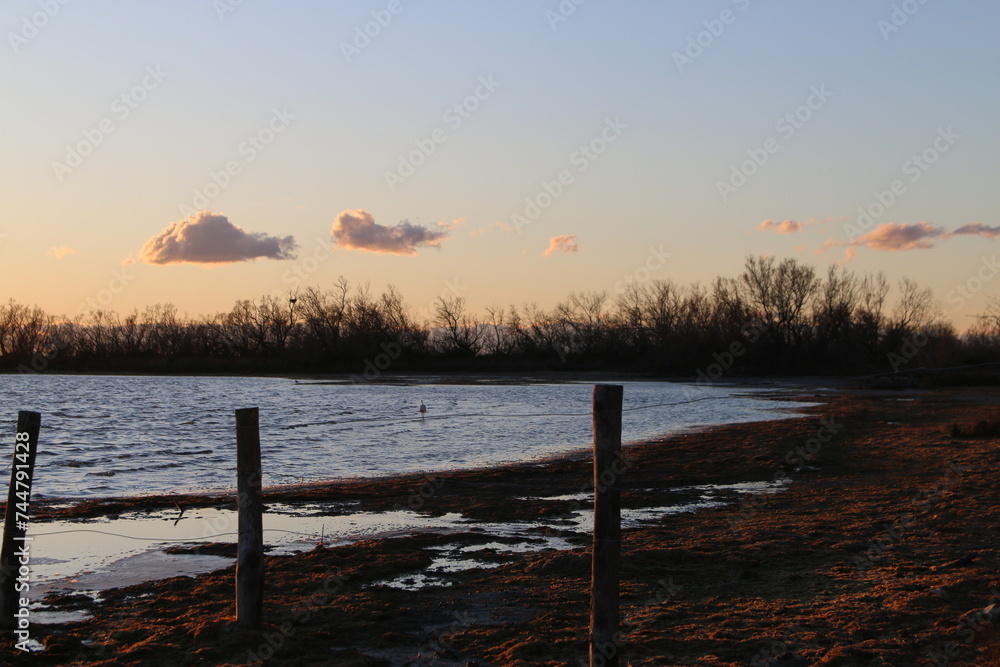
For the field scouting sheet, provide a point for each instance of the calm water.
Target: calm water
(122, 435)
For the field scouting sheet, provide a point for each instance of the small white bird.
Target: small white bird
(422, 409)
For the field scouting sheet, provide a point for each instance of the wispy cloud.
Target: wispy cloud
(978, 229)
(58, 252)
(563, 243)
(210, 238)
(785, 227)
(886, 237)
(356, 229)
(893, 237)
(451, 224)
(501, 225)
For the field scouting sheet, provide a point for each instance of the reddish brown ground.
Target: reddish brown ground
(793, 578)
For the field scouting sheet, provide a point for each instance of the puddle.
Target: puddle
(102, 553)
(451, 564)
(569, 497)
(741, 487)
(413, 582)
(96, 554)
(34, 646)
(633, 518)
(43, 617)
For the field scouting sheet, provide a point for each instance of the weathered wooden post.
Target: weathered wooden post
(604, 636)
(15, 522)
(250, 553)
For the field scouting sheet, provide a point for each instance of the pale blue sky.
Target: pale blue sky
(656, 184)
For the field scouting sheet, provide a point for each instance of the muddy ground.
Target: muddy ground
(882, 550)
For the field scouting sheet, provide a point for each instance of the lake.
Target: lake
(107, 436)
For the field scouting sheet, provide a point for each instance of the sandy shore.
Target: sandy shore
(882, 550)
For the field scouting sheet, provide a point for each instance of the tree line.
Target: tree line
(774, 317)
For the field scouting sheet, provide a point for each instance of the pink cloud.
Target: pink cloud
(978, 229)
(356, 229)
(893, 237)
(563, 243)
(60, 251)
(210, 238)
(785, 227)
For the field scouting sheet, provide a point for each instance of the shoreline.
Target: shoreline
(773, 577)
(333, 489)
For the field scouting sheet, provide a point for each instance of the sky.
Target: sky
(198, 152)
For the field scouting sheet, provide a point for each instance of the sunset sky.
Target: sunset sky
(200, 152)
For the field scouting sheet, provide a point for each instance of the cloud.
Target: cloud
(786, 227)
(445, 224)
(978, 229)
(563, 243)
(60, 251)
(502, 226)
(357, 230)
(209, 238)
(893, 237)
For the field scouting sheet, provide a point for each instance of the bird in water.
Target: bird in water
(422, 409)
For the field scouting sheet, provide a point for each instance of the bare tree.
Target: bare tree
(779, 293)
(501, 342)
(870, 318)
(836, 304)
(915, 309)
(460, 334)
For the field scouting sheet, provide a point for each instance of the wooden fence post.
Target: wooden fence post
(15, 522)
(250, 554)
(604, 574)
